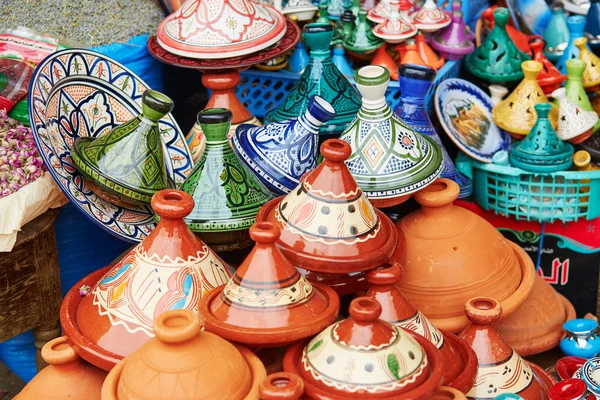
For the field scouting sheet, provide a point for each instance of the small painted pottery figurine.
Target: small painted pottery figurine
(592, 25)
(389, 160)
(575, 23)
(497, 60)
(574, 123)
(591, 75)
(126, 166)
(575, 91)
(279, 153)
(226, 195)
(466, 257)
(382, 10)
(67, 376)
(429, 18)
(281, 386)
(582, 338)
(203, 29)
(430, 57)
(364, 357)
(327, 224)
(383, 59)
(362, 39)
(339, 60)
(411, 56)
(452, 42)
(460, 363)
(170, 269)
(542, 150)
(549, 77)
(267, 303)
(415, 83)
(303, 10)
(299, 59)
(394, 29)
(185, 362)
(497, 93)
(557, 35)
(516, 113)
(569, 389)
(501, 369)
(320, 78)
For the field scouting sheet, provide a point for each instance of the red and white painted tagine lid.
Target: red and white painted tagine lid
(214, 29)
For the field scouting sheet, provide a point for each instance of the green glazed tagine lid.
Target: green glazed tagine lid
(226, 195)
(497, 60)
(542, 150)
(322, 78)
(128, 162)
(362, 39)
(576, 93)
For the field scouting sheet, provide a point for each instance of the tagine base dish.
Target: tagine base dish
(87, 350)
(79, 93)
(466, 377)
(545, 378)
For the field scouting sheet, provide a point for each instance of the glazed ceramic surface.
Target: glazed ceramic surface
(320, 78)
(279, 153)
(592, 25)
(576, 93)
(299, 59)
(382, 10)
(429, 18)
(465, 113)
(411, 56)
(549, 77)
(281, 386)
(383, 59)
(226, 195)
(567, 366)
(556, 35)
(452, 42)
(497, 92)
(220, 29)
(591, 75)
(430, 57)
(158, 275)
(388, 159)
(570, 389)
(415, 83)
(575, 24)
(80, 93)
(590, 373)
(327, 224)
(394, 29)
(303, 10)
(582, 338)
(574, 123)
(362, 39)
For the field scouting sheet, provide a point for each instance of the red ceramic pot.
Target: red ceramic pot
(567, 366)
(570, 389)
(549, 77)
(281, 386)
(327, 224)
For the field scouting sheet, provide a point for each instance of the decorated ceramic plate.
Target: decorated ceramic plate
(465, 113)
(79, 93)
(590, 373)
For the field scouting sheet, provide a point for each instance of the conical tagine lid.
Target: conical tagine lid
(501, 369)
(394, 29)
(460, 365)
(185, 362)
(516, 113)
(209, 29)
(327, 224)
(365, 357)
(429, 18)
(267, 303)
(549, 77)
(389, 159)
(591, 75)
(170, 269)
(573, 121)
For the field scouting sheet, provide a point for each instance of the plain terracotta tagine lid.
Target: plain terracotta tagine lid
(281, 386)
(67, 376)
(185, 362)
(460, 363)
(267, 303)
(210, 29)
(327, 224)
(367, 358)
(452, 255)
(170, 269)
(501, 369)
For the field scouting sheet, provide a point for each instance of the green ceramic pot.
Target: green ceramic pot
(362, 40)
(575, 91)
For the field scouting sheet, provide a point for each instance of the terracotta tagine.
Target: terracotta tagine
(452, 42)
(170, 269)
(364, 357)
(574, 123)
(430, 57)
(460, 363)
(516, 114)
(281, 386)
(383, 59)
(320, 78)
(267, 303)
(126, 166)
(429, 18)
(591, 75)
(451, 255)
(327, 224)
(389, 160)
(542, 150)
(447, 393)
(209, 29)
(185, 362)
(279, 153)
(501, 369)
(362, 40)
(497, 60)
(394, 28)
(575, 91)
(67, 376)
(549, 77)
(575, 24)
(226, 195)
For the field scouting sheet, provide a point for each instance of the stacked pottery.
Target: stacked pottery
(415, 83)
(185, 362)
(394, 29)
(226, 195)
(574, 123)
(591, 75)
(549, 77)
(501, 369)
(160, 274)
(389, 160)
(320, 78)
(365, 357)
(279, 153)
(452, 42)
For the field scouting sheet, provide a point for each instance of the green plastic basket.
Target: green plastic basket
(508, 191)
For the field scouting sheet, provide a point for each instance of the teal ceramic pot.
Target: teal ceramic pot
(557, 35)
